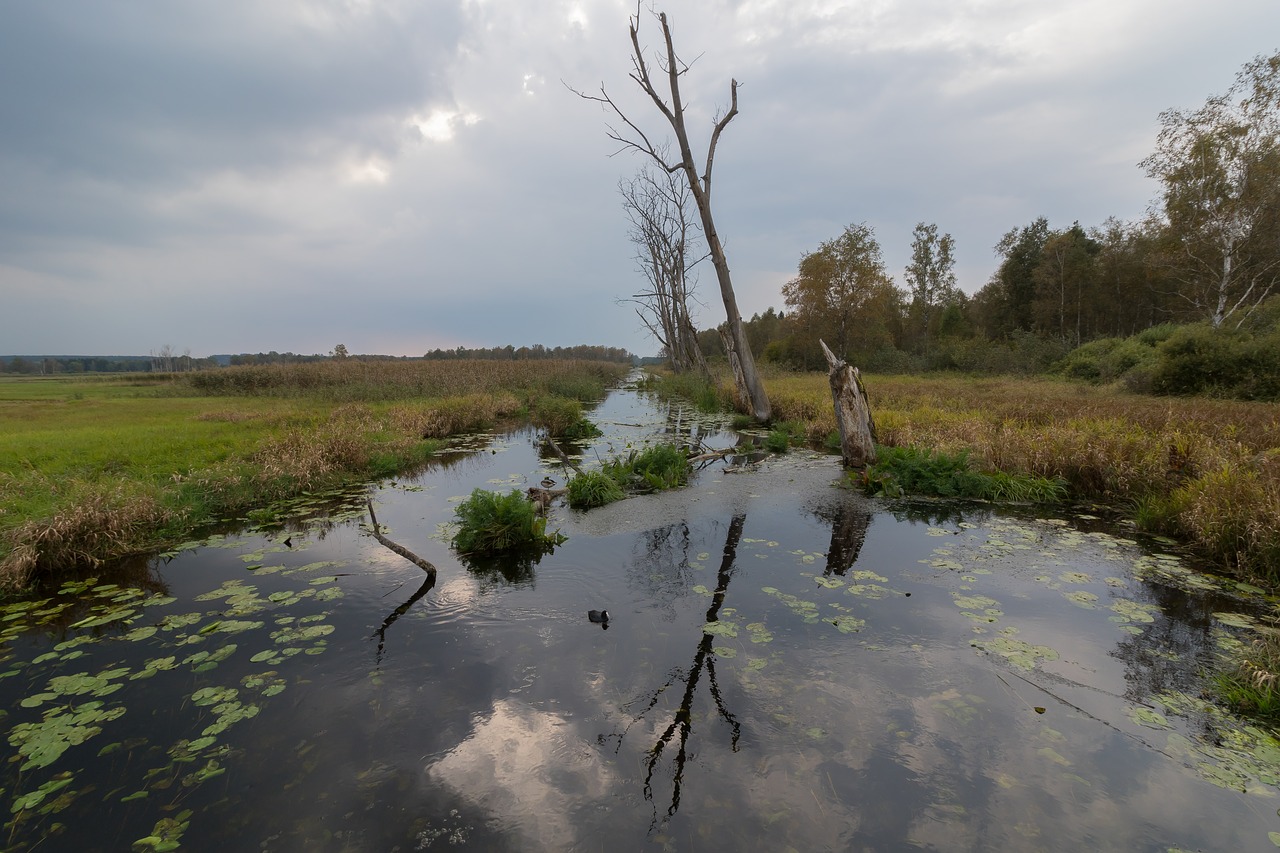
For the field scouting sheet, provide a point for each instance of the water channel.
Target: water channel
(788, 666)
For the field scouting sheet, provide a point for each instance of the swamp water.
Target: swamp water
(788, 666)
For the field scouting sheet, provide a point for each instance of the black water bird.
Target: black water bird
(599, 616)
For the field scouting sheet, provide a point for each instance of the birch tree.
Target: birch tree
(930, 276)
(1220, 170)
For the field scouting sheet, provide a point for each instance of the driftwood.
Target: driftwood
(399, 549)
(541, 498)
(853, 412)
(565, 459)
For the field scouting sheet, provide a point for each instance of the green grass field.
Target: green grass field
(99, 467)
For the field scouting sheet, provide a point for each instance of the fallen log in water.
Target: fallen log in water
(399, 549)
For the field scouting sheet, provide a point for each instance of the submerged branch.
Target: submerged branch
(560, 453)
(399, 549)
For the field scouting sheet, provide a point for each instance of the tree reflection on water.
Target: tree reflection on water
(680, 728)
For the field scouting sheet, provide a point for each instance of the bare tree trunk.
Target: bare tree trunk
(750, 388)
(853, 412)
(739, 381)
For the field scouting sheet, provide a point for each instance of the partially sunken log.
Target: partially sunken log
(399, 549)
(853, 412)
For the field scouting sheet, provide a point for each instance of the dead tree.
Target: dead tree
(853, 412)
(634, 138)
(661, 229)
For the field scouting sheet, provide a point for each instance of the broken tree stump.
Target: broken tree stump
(853, 412)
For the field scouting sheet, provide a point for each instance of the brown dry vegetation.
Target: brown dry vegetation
(92, 479)
(1207, 471)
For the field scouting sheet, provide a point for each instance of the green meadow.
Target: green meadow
(93, 468)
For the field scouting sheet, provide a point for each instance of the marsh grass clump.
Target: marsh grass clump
(785, 434)
(910, 471)
(777, 441)
(707, 395)
(1251, 682)
(591, 489)
(556, 414)
(493, 523)
(581, 429)
(79, 533)
(656, 468)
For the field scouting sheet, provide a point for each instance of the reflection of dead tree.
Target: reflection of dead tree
(564, 460)
(381, 633)
(848, 532)
(681, 725)
(422, 590)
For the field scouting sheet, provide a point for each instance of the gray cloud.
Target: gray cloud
(401, 176)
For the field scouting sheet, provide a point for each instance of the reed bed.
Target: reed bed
(354, 380)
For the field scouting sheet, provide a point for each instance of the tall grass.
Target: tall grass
(91, 470)
(350, 380)
(1205, 470)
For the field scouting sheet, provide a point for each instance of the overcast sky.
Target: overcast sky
(243, 176)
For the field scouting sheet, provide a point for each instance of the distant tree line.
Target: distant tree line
(49, 365)
(581, 352)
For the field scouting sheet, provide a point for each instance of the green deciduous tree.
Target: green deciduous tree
(1064, 278)
(1219, 167)
(842, 295)
(930, 276)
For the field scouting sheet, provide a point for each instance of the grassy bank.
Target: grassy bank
(96, 468)
(1206, 471)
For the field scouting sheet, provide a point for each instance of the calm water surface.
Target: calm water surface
(788, 666)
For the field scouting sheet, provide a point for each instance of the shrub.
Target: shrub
(592, 489)
(1222, 363)
(1085, 361)
(493, 523)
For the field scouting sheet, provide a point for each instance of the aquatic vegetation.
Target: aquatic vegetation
(493, 523)
(655, 468)
(902, 471)
(581, 429)
(83, 694)
(777, 441)
(592, 489)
